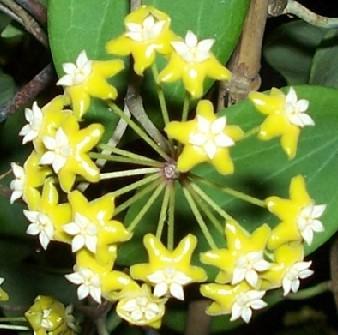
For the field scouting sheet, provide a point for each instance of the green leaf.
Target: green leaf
(289, 49)
(12, 31)
(74, 26)
(4, 21)
(218, 19)
(7, 88)
(324, 69)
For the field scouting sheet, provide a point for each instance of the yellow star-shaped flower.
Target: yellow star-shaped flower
(299, 215)
(147, 32)
(27, 179)
(92, 226)
(206, 139)
(95, 279)
(243, 259)
(88, 78)
(44, 121)
(67, 152)
(47, 216)
(193, 62)
(139, 306)
(285, 117)
(168, 270)
(236, 300)
(48, 316)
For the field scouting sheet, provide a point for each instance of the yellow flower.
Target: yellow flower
(147, 32)
(287, 269)
(88, 78)
(168, 270)
(193, 62)
(3, 294)
(243, 259)
(235, 300)
(299, 215)
(47, 216)
(139, 307)
(206, 139)
(27, 179)
(49, 316)
(285, 116)
(44, 121)
(95, 279)
(92, 225)
(67, 152)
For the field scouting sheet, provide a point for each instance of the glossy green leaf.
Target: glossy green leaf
(324, 69)
(74, 26)
(218, 19)
(7, 88)
(289, 49)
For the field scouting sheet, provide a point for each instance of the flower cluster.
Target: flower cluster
(51, 182)
(265, 259)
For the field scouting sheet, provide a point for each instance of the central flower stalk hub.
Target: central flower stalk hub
(169, 171)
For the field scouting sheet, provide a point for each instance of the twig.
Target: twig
(246, 60)
(36, 9)
(295, 8)
(26, 20)
(198, 321)
(28, 92)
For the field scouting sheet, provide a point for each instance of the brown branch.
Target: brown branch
(20, 15)
(334, 270)
(36, 9)
(28, 92)
(246, 60)
(198, 320)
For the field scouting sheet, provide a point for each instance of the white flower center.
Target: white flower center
(17, 185)
(46, 323)
(84, 232)
(149, 29)
(210, 135)
(193, 51)
(294, 273)
(34, 118)
(246, 301)
(58, 150)
(308, 222)
(295, 110)
(140, 309)
(89, 281)
(169, 280)
(78, 73)
(40, 225)
(247, 267)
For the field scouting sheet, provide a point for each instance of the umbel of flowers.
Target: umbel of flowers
(63, 162)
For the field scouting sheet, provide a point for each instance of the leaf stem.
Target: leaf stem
(126, 153)
(232, 192)
(251, 132)
(211, 202)
(163, 212)
(120, 159)
(161, 96)
(145, 208)
(127, 173)
(206, 210)
(137, 184)
(310, 292)
(136, 197)
(13, 327)
(138, 130)
(199, 219)
(186, 106)
(171, 218)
